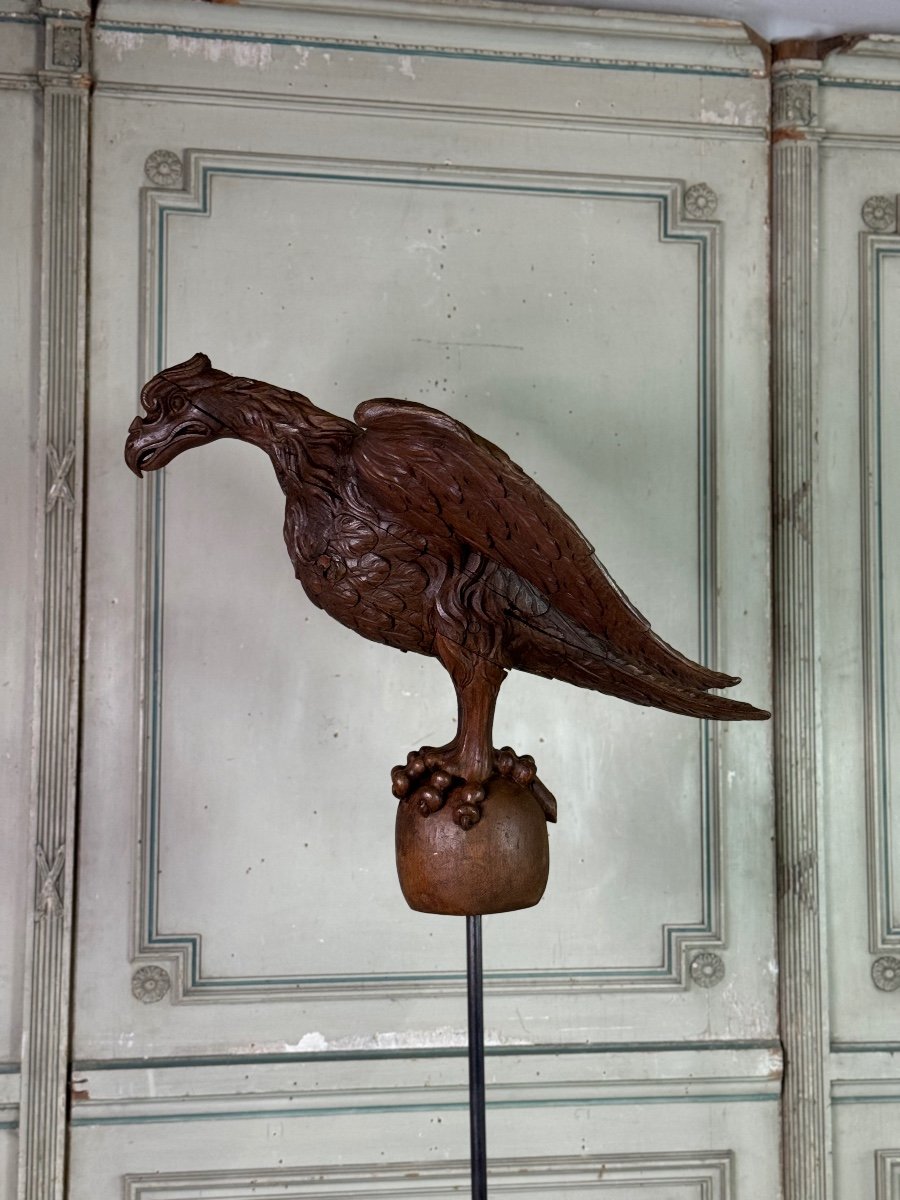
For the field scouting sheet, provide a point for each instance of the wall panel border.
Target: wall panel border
(680, 219)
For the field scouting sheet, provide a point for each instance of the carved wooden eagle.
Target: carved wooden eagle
(412, 530)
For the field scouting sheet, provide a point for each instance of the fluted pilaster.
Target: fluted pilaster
(48, 963)
(795, 182)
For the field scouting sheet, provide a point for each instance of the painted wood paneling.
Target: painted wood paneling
(795, 217)
(8, 1151)
(19, 267)
(554, 227)
(405, 261)
(49, 884)
(535, 1153)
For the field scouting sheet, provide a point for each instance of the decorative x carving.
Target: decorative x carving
(59, 468)
(50, 900)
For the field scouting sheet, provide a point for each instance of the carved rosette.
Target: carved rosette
(150, 984)
(700, 202)
(886, 973)
(164, 169)
(793, 104)
(707, 969)
(879, 213)
(66, 51)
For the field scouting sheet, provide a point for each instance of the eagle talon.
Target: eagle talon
(400, 782)
(423, 781)
(506, 759)
(433, 776)
(428, 800)
(467, 802)
(518, 767)
(415, 764)
(467, 816)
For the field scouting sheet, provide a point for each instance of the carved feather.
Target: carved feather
(447, 482)
(414, 531)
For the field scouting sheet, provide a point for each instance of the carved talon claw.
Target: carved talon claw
(399, 782)
(428, 800)
(523, 771)
(441, 780)
(520, 768)
(467, 801)
(429, 782)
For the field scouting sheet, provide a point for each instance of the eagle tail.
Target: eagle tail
(585, 662)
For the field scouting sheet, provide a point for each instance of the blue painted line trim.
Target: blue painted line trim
(888, 924)
(865, 1047)
(868, 85)
(412, 1052)
(443, 1106)
(190, 944)
(414, 51)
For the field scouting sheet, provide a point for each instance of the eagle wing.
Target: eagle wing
(445, 481)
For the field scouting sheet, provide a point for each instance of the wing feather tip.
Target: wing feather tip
(738, 710)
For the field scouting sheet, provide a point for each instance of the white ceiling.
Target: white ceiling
(775, 19)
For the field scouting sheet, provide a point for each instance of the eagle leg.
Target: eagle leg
(459, 771)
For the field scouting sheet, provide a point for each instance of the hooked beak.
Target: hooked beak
(153, 443)
(132, 448)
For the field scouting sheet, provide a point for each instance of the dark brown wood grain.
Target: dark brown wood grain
(498, 865)
(410, 529)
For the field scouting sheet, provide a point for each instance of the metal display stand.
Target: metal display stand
(475, 983)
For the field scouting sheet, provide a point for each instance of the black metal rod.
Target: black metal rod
(476, 1058)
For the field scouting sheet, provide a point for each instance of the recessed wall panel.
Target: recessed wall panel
(466, 276)
(19, 267)
(571, 290)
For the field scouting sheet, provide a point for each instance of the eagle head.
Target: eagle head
(180, 406)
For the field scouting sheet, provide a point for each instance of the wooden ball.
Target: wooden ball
(498, 865)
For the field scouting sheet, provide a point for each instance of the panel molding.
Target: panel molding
(184, 950)
(865, 1091)
(403, 1081)
(534, 36)
(10, 1082)
(887, 1175)
(65, 82)
(702, 1176)
(435, 111)
(884, 930)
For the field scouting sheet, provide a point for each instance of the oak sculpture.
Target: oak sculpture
(410, 529)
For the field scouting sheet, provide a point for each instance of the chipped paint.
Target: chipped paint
(745, 1018)
(120, 41)
(732, 113)
(788, 135)
(257, 55)
(774, 1064)
(442, 1037)
(406, 67)
(798, 880)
